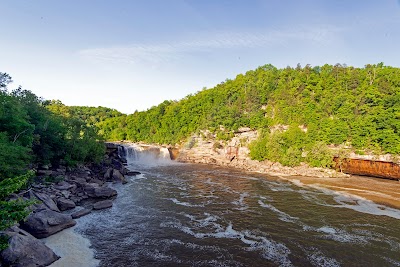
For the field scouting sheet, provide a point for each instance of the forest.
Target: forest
(36, 133)
(321, 105)
(298, 113)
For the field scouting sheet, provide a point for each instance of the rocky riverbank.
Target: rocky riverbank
(235, 153)
(57, 193)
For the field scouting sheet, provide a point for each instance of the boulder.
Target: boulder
(80, 213)
(97, 181)
(65, 204)
(26, 251)
(102, 205)
(89, 189)
(63, 186)
(108, 174)
(46, 222)
(47, 201)
(124, 170)
(45, 173)
(111, 145)
(104, 192)
(66, 193)
(79, 181)
(118, 176)
(133, 173)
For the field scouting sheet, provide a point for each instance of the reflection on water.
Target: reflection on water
(197, 215)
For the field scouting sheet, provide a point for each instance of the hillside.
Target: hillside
(297, 110)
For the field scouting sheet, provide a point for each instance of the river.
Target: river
(199, 215)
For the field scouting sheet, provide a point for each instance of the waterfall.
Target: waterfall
(164, 153)
(145, 154)
(121, 151)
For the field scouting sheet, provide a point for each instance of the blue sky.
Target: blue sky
(131, 55)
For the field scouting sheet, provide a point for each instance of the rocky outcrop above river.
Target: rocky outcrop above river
(235, 153)
(25, 250)
(56, 190)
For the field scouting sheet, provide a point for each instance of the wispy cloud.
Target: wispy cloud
(164, 52)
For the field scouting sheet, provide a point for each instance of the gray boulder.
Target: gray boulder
(118, 176)
(108, 174)
(133, 173)
(63, 186)
(46, 222)
(65, 204)
(104, 192)
(79, 181)
(80, 213)
(26, 251)
(102, 205)
(90, 189)
(47, 201)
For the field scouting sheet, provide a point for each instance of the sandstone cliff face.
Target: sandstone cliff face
(235, 153)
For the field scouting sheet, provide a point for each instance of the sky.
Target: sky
(132, 55)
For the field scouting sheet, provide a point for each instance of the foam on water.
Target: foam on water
(282, 215)
(392, 262)
(187, 204)
(317, 258)
(270, 250)
(73, 249)
(360, 204)
(347, 200)
(240, 201)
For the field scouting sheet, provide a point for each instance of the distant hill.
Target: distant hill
(298, 110)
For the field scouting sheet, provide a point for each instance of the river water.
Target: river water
(198, 215)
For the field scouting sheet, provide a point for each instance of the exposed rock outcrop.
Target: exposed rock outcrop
(65, 204)
(80, 213)
(235, 153)
(46, 200)
(26, 251)
(102, 205)
(71, 187)
(118, 176)
(46, 222)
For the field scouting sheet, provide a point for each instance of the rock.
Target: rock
(97, 181)
(66, 193)
(65, 204)
(108, 174)
(63, 186)
(76, 199)
(111, 145)
(90, 189)
(47, 200)
(80, 213)
(102, 204)
(118, 176)
(124, 170)
(79, 181)
(133, 173)
(104, 192)
(46, 222)
(26, 251)
(45, 172)
(117, 164)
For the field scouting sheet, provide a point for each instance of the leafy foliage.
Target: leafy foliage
(334, 104)
(12, 211)
(34, 132)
